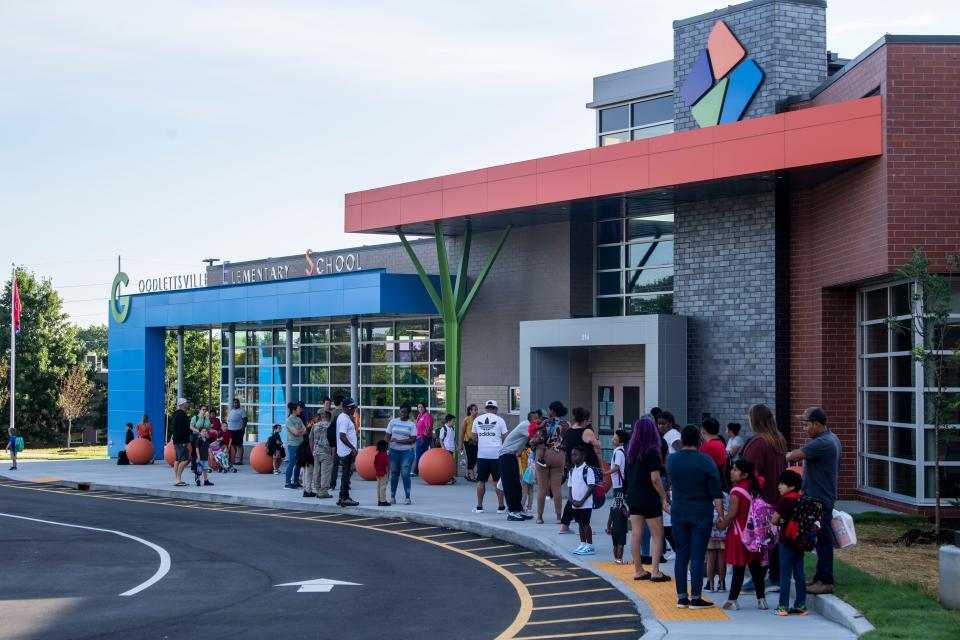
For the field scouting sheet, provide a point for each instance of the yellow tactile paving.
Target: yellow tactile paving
(661, 596)
(45, 479)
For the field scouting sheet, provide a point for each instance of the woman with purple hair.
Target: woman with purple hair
(645, 496)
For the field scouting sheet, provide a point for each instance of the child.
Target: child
(528, 478)
(446, 437)
(305, 455)
(223, 458)
(12, 447)
(582, 483)
(201, 453)
(619, 516)
(791, 558)
(275, 448)
(129, 435)
(746, 487)
(716, 563)
(381, 463)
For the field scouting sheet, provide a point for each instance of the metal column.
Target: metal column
(231, 366)
(288, 387)
(180, 362)
(355, 359)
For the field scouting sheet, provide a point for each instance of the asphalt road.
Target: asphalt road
(226, 561)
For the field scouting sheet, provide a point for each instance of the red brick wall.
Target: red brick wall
(864, 223)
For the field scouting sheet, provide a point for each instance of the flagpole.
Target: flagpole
(13, 345)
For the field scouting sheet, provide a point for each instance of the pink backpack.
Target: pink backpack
(758, 536)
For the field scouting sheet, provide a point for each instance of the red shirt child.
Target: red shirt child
(381, 463)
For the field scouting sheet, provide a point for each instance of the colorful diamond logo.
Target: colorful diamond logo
(722, 81)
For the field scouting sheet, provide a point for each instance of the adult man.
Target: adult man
(335, 410)
(514, 443)
(181, 440)
(346, 450)
(491, 431)
(822, 455)
(236, 425)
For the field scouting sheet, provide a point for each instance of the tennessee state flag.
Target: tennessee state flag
(16, 307)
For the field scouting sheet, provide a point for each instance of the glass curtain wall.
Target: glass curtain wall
(895, 430)
(634, 261)
(401, 360)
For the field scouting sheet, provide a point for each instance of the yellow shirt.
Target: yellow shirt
(467, 428)
(524, 457)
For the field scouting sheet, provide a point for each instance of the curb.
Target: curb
(653, 628)
(836, 610)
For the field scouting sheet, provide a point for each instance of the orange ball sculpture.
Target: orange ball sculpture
(260, 460)
(140, 451)
(437, 466)
(170, 453)
(365, 468)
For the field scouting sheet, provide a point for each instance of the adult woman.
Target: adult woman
(579, 435)
(144, 428)
(548, 443)
(424, 434)
(401, 436)
(646, 498)
(767, 451)
(200, 420)
(468, 444)
(294, 431)
(734, 441)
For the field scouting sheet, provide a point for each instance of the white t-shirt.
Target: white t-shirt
(345, 425)
(489, 430)
(579, 488)
(446, 437)
(670, 437)
(618, 459)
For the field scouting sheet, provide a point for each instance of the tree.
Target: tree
(47, 348)
(194, 370)
(75, 391)
(93, 339)
(4, 381)
(931, 323)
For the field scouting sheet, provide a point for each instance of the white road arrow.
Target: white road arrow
(321, 585)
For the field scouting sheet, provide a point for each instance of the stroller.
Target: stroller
(222, 456)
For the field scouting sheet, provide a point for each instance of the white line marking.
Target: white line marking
(164, 556)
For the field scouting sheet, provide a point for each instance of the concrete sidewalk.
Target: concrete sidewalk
(450, 506)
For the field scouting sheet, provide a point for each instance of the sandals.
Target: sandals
(646, 575)
(661, 578)
(181, 484)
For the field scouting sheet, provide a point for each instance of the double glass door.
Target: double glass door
(618, 404)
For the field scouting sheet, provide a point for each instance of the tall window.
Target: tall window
(634, 263)
(635, 120)
(896, 444)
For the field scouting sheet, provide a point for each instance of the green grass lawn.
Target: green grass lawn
(55, 453)
(897, 610)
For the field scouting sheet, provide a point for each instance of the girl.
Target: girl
(645, 496)
(468, 445)
(528, 478)
(716, 562)
(424, 435)
(746, 486)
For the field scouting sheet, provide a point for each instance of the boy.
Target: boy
(201, 452)
(381, 464)
(582, 483)
(275, 448)
(791, 558)
(12, 447)
(446, 437)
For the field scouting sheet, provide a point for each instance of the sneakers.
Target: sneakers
(383, 504)
(771, 586)
(820, 588)
(799, 610)
(762, 604)
(708, 586)
(349, 503)
(12, 469)
(406, 501)
(618, 560)
(276, 472)
(516, 517)
(289, 486)
(585, 550)
(700, 603)
(207, 483)
(683, 603)
(324, 495)
(309, 494)
(781, 611)
(731, 605)
(721, 586)
(501, 509)
(198, 482)
(477, 509)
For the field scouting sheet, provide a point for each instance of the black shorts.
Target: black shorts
(648, 510)
(487, 468)
(582, 516)
(618, 526)
(181, 451)
(471, 449)
(236, 437)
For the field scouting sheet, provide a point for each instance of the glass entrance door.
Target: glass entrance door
(618, 404)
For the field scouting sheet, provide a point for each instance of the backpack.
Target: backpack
(804, 525)
(274, 444)
(19, 444)
(304, 455)
(332, 433)
(599, 489)
(122, 458)
(758, 536)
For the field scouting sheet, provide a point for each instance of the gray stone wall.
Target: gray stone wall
(724, 264)
(787, 38)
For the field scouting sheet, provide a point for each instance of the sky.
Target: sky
(171, 132)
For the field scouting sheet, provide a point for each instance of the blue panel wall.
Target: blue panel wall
(136, 347)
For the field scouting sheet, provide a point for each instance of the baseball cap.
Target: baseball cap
(813, 414)
(349, 402)
(491, 403)
(181, 401)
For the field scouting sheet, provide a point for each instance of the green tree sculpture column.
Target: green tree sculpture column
(453, 302)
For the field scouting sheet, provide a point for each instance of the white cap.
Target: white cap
(490, 403)
(181, 401)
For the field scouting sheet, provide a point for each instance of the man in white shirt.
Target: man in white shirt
(346, 450)
(490, 431)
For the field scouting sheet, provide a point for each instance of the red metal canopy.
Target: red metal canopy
(836, 133)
